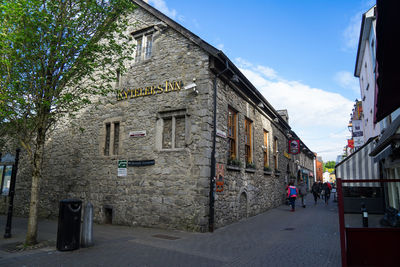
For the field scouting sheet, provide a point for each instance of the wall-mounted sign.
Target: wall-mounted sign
(122, 168)
(219, 182)
(150, 90)
(137, 133)
(294, 146)
(141, 163)
(287, 155)
(221, 133)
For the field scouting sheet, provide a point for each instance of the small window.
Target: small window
(112, 138)
(107, 143)
(116, 138)
(265, 149)
(144, 47)
(139, 48)
(232, 136)
(149, 46)
(248, 141)
(174, 130)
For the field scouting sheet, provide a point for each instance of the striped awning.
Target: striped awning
(359, 165)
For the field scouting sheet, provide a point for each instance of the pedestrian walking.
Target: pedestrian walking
(315, 192)
(292, 194)
(327, 192)
(302, 192)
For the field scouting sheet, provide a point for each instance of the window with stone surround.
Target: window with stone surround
(248, 141)
(232, 134)
(144, 43)
(173, 130)
(265, 149)
(111, 138)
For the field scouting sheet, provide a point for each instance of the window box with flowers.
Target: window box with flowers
(267, 170)
(250, 167)
(234, 164)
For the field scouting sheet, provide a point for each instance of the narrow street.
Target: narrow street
(278, 237)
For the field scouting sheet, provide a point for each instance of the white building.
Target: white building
(365, 71)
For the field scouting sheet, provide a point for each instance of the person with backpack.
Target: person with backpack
(292, 194)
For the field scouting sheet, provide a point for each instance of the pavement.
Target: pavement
(307, 237)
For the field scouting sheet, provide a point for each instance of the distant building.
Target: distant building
(318, 168)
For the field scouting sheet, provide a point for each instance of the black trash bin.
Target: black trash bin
(69, 224)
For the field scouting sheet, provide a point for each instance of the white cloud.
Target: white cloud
(319, 117)
(162, 6)
(352, 32)
(220, 46)
(347, 80)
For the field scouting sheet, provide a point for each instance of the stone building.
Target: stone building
(146, 158)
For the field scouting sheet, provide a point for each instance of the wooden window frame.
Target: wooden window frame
(248, 141)
(265, 149)
(232, 133)
(276, 153)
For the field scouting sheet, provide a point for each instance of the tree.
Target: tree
(329, 166)
(56, 56)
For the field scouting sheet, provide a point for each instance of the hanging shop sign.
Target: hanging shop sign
(294, 146)
(350, 143)
(164, 88)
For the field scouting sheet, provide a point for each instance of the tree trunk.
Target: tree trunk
(31, 235)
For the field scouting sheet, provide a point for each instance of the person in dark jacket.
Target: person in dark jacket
(315, 191)
(327, 191)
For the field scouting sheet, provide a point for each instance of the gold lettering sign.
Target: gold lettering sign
(165, 87)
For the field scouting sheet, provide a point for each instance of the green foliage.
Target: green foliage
(329, 166)
(267, 169)
(56, 55)
(250, 165)
(234, 162)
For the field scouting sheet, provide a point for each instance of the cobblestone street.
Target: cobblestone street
(307, 237)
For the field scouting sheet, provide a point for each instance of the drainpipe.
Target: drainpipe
(212, 176)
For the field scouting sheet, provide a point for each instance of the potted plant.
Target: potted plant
(250, 165)
(234, 162)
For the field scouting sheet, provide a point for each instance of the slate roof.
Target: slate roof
(251, 91)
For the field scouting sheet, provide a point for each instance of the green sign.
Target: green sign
(122, 164)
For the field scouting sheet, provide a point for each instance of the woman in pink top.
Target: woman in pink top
(292, 194)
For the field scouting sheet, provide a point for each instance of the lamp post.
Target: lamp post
(7, 233)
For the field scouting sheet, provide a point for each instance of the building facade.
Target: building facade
(145, 156)
(365, 71)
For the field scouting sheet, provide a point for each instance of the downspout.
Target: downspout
(214, 137)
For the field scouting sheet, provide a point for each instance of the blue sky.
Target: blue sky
(300, 54)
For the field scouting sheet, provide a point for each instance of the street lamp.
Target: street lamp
(350, 126)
